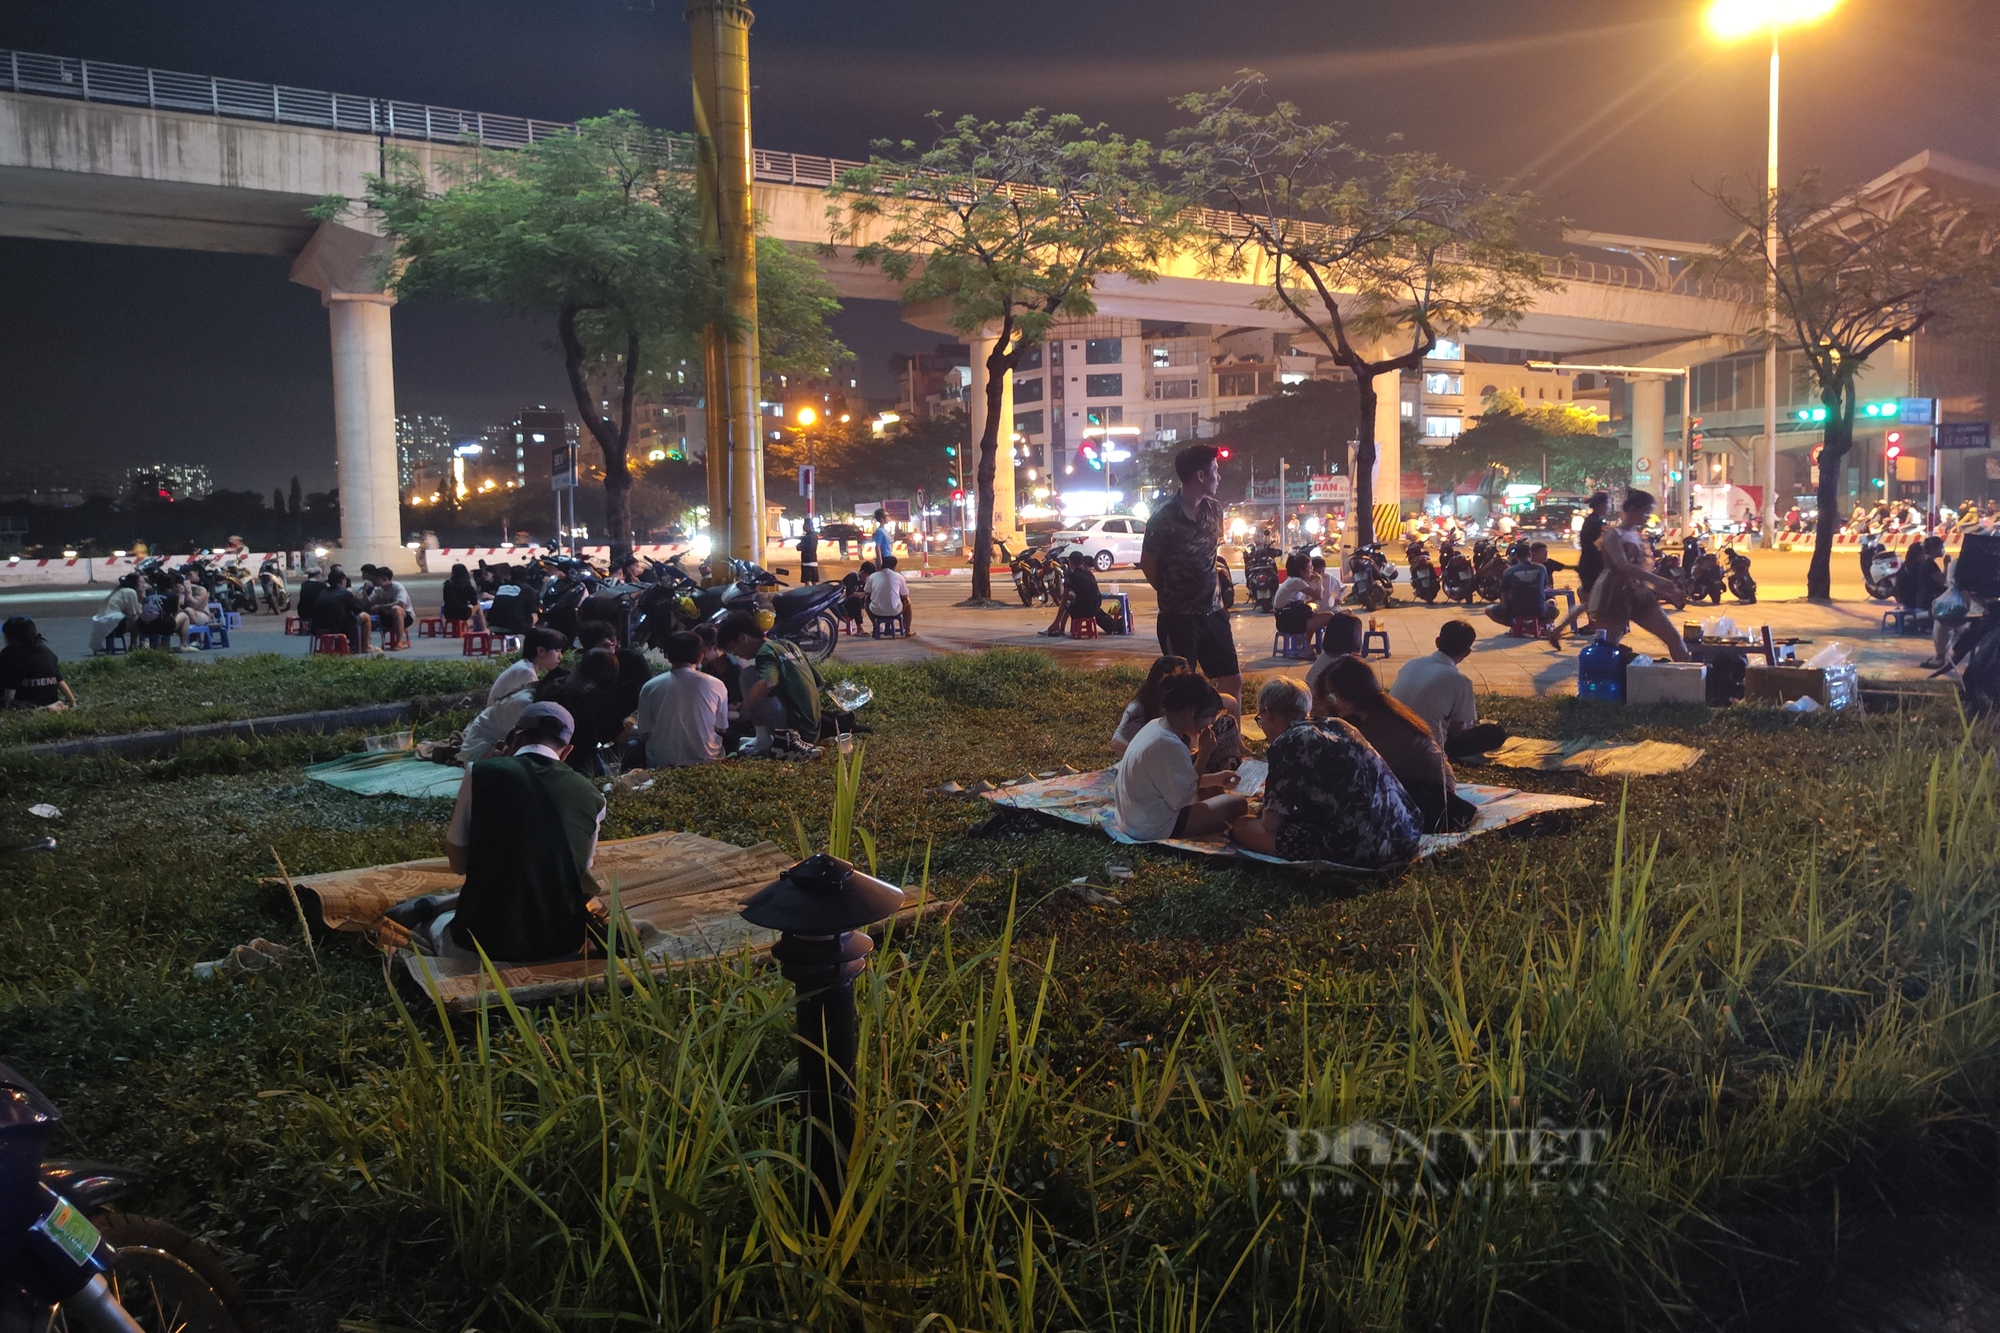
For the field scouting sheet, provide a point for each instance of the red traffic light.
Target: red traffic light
(958, 495)
(1895, 449)
(1223, 453)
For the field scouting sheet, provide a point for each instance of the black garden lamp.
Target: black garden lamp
(820, 908)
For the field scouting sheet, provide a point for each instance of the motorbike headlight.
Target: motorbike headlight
(766, 619)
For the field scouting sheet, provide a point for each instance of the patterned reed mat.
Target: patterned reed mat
(1091, 799)
(680, 892)
(1600, 759)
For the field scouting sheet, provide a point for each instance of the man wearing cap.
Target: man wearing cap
(524, 835)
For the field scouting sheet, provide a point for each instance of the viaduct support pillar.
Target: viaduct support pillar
(1388, 477)
(345, 266)
(1006, 527)
(1649, 440)
(720, 32)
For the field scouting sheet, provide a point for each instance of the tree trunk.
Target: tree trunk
(1364, 462)
(998, 364)
(1834, 446)
(611, 436)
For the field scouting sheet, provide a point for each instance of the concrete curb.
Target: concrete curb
(147, 744)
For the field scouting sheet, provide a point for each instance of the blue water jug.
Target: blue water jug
(1600, 672)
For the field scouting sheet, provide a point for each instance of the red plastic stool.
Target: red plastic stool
(292, 625)
(455, 629)
(1526, 627)
(478, 644)
(335, 644)
(1083, 628)
(431, 627)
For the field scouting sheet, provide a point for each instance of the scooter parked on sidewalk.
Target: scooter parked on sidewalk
(1424, 581)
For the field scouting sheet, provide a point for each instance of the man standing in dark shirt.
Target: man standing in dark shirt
(1589, 563)
(1178, 559)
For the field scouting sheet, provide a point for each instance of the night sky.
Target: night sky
(1619, 115)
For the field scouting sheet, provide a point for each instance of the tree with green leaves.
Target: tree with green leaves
(1308, 425)
(1376, 255)
(599, 230)
(1853, 276)
(1556, 441)
(1010, 224)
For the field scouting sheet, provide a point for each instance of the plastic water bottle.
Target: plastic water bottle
(1600, 674)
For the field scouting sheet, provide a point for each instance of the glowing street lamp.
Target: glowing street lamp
(1730, 21)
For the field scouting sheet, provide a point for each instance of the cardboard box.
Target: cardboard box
(1666, 683)
(1829, 687)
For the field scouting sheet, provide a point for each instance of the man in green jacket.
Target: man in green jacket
(524, 834)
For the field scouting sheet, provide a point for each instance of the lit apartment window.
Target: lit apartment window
(1437, 382)
(1409, 408)
(1027, 423)
(1028, 391)
(1237, 384)
(1443, 427)
(1103, 351)
(1292, 377)
(1104, 386)
(1162, 357)
(1447, 350)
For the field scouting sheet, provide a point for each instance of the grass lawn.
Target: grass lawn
(1765, 1016)
(148, 690)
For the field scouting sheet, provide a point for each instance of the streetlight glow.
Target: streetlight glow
(806, 416)
(1733, 20)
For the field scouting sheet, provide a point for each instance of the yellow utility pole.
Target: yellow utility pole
(720, 30)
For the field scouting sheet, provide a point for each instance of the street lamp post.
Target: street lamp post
(1731, 20)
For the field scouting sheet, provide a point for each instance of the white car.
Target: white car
(1110, 540)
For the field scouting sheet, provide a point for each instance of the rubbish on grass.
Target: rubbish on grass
(850, 694)
(389, 740)
(1119, 872)
(637, 779)
(953, 788)
(1804, 704)
(44, 811)
(259, 955)
(1094, 897)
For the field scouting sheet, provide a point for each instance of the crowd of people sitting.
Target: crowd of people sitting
(329, 603)
(1356, 773)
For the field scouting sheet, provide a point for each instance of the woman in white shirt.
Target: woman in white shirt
(1159, 793)
(1292, 603)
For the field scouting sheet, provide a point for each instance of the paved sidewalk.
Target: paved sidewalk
(1498, 665)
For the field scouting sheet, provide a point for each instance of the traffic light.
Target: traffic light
(1894, 450)
(1812, 414)
(1222, 453)
(1694, 436)
(1674, 476)
(951, 451)
(1888, 407)
(1090, 456)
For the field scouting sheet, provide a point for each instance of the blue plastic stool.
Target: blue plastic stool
(203, 633)
(1375, 643)
(1904, 620)
(231, 620)
(1292, 647)
(888, 627)
(218, 635)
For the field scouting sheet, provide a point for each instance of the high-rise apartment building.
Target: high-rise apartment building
(423, 444)
(170, 481)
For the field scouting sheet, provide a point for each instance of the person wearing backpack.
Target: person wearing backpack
(781, 688)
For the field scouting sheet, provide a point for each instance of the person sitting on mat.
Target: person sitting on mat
(541, 653)
(1145, 705)
(1328, 796)
(524, 835)
(1349, 690)
(1160, 795)
(1438, 692)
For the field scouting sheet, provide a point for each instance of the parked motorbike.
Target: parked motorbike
(1456, 574)
(1703, 576)
(1741, 586)
(1261, 575)
(1371, 576)
(1424, 580)
(67, 1260)
(807, 616)
(271, 583)
(1879, 567)
(1489, 568)
(234, 587)
(1037, 574)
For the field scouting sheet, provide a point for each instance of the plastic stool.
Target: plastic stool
(455, 629)
(199, 632)
(218, 636)
(1374, 643)
(334, 644)
(1521, 627)
(887, 627)
(1903, 620)
(850, 626)
(478, 644)
(292, 625)
(431, 627)
(116, 642)
(506, 643)
(1083, 628)
(232, 620)
(1292, 647)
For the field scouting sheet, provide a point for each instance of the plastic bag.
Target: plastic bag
(1835, 654)
(849, 695)
(1951, 608)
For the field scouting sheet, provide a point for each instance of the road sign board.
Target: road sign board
(1917, 411)
(1330, 489)
(898, 511)
(1965, 435)
(562, 466)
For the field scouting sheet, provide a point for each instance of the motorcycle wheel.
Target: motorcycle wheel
(817, 637)
(1428, 595)
(168, 1281)
(1024, 590)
